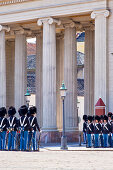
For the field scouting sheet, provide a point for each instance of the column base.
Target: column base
(55, 136)
(64, 143)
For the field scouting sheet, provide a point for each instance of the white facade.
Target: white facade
(47, 20)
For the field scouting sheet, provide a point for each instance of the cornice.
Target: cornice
(10, 2)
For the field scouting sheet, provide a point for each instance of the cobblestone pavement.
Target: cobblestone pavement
(54, 159)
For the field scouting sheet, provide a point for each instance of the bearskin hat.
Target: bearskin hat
(112, 117)
(109, 114)
(3, 111)
(23, 110)
(93, 118)
(97, 118)
(90, 118)
(32, 110)
(11, 111)
(102, 117)
(85, 117)
(105, 118)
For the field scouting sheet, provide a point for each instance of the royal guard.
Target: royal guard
(84, 128)
(12, 128)
(97, 131)
(23, 127)
(112, 131)
(109, 136)
(105, 131)
(101, 135)
(89, 132)
(33, 127)
(3, 128)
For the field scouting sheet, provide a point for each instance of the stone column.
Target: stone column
(2, 66)
(101, 74)
(49, 74)
(70, 77)
(89, 72)
(39, 76)
(59, 76)
(10, 60)
(20, 69)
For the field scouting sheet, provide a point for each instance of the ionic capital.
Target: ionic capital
(5, 28)
(89, 27)
(105, 13)
(48, 20)
(60, 35)
(72, 25)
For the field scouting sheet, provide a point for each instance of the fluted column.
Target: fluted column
(70, 76)
(39, 77)
(49, 73)
(10, 60)
(89, 72)
(20, 69)
(2, 66)
(59, 75)
(101, 74)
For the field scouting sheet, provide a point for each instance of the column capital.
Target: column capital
(94, 14)
(22, 31)
(60, 35)
(72, 25)
(89, 27)
(48, 20)
(6, 28)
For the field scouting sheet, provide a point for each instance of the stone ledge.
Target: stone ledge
(9, 2)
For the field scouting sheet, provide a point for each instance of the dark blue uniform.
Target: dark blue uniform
(105, 131)
(3, 130)
(23, 127)
(90, 131)
(97, 132)
(12, 128)
(32, 134)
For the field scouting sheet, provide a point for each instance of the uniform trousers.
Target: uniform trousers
(101, 140)
(12, 140)
(32, 139)
(23, 140)
(96, 143)
(3, 140)
(105, 138)
(89, 141)
(84, 137)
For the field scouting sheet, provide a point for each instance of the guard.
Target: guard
(3, 128)
(97, 132)
(101, 135)
(33, 126)
(84, 128)
(23, 127)
(90, 130)
(105, 131)
(109, 122)
(12, 128)
(112, 131)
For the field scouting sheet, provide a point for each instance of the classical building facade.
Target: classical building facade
(54, 24)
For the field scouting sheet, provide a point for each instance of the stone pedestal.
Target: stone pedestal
(10, 60)
(101, 66)
(89, 72)
(20, 70)
(70, 77)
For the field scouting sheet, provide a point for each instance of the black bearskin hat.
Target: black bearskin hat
(105, 118)
(85, 117)
(23, 110)
(90, 118)
(102, 117)
(112, 117)
(109, 114)
(32, 110)
(3, 111)
(11, 111)
(93, 118)
(97, 118)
